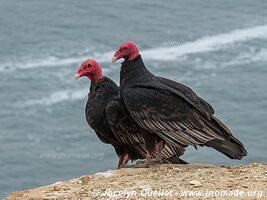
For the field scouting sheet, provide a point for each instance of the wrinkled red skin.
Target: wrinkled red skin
(91, 69)
(128, 51)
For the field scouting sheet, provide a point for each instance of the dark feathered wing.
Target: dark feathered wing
(104, 140)
(178, 120)
(129, 133)
(188, 93)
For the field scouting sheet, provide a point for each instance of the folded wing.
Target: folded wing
(178, 120)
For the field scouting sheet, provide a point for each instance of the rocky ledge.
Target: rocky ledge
(192, 181)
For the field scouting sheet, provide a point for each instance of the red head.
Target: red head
(128, 51)
(91, 69)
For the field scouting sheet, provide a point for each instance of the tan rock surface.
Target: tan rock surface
(194, 181)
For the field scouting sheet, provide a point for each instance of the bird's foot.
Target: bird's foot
(156, 161)
(146, 164)
(128, 166)
(119, 167)
(142, 165)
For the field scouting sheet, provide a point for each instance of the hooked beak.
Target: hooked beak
(77, 76)
(114, 59)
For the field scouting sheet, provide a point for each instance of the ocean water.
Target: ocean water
(217, 48)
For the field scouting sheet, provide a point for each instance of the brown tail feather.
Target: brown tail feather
(231, 148)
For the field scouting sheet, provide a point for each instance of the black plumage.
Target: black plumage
(101, 94)
(103, 91)
(131, 135)
(172, 112)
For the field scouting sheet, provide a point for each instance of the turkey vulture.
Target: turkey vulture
(102, 92)
(104, 115)
(169, 111)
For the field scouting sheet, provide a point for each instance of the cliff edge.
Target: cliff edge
(192, 181)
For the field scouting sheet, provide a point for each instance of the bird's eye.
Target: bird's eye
(125, 48)
(89, 65)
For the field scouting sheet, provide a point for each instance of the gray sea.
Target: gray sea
(218, 48)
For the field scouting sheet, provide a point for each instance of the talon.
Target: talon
(157, 161)
(142, 165)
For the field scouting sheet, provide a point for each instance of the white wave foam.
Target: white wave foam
(58, 97)
(249, 57)
(209, 43)
(52, 61)
(73, 95)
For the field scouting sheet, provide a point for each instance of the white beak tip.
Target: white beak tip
(76, 76)
(114, 59)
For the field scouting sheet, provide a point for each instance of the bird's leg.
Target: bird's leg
(149, 157)
(121, 159)
(159, 150)
(125, 160)
(158, 159)
(147, 161)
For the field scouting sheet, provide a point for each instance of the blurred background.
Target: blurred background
(218, 48)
